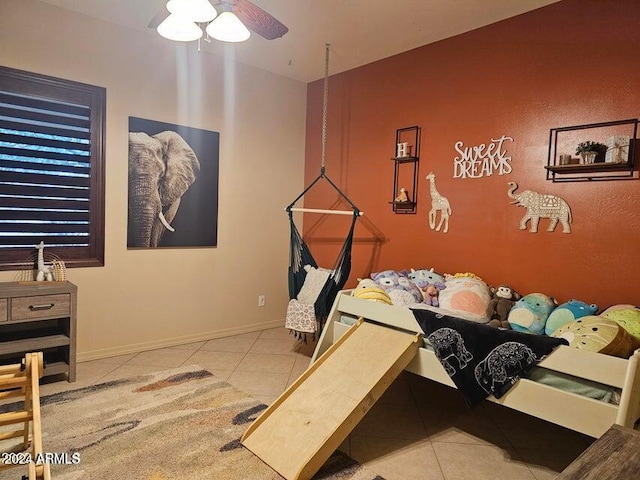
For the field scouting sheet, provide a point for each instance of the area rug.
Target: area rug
(177, 424)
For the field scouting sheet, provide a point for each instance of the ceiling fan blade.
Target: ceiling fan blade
(158, 18)
(257, 20)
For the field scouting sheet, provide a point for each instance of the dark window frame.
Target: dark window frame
(56, 89)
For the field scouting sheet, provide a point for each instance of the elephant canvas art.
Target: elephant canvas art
(173, 185)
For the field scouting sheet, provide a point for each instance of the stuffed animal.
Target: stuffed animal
(424, 277)
(568, 312)
(398, 286)
(598, 334)
(467, 295)
(627, 316)
(367, 289)
(431, 292)
(503, 298)
(530, 313)
(430, 283)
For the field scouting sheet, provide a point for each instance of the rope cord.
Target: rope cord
(325, 101)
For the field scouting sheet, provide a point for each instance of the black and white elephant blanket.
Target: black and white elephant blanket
(482, 360)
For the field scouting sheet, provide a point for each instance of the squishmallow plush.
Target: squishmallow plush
(627, 318)
(568, 312)
(398, 286)
(424, 277)
(466, 293)
(620, 306)
(430, 283)
(530, 313)
(598, 334)
(367, 289)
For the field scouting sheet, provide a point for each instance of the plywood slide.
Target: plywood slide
(304, 426)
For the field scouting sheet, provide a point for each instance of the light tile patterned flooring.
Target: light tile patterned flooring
(417, 430)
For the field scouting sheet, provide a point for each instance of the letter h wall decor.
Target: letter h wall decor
(173, 185)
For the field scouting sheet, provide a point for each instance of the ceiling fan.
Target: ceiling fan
(226, 20)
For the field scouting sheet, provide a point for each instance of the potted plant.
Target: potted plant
(591, 151)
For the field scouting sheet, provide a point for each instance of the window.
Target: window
(51, 169)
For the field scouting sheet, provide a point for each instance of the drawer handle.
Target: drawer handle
(44, 306)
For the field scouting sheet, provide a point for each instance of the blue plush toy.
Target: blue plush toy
(530, 313)
(568, 312)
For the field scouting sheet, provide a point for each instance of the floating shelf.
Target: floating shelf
(591, 168)
(398, 206)
(404, 159)
(407, 176)
(563, 142)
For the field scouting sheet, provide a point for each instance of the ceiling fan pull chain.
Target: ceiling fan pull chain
(325, 100)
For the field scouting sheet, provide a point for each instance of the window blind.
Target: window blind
(46, 176)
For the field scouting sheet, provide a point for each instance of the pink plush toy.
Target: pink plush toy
(431, 292)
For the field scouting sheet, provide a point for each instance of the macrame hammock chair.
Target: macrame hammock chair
(307, 313)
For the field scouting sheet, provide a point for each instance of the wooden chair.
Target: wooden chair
(22, 381)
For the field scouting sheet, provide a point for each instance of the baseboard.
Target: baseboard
(171, 342)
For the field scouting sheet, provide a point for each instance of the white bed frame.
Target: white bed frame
(576, 412)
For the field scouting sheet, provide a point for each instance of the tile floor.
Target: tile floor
(418, 429)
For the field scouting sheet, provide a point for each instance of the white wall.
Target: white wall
(144, 299)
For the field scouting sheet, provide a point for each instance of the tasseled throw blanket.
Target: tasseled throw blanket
(482, 360)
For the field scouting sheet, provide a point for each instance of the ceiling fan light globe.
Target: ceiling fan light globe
(179, 29)
(228, 28)
(195, 10)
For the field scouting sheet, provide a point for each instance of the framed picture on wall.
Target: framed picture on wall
(173, 185)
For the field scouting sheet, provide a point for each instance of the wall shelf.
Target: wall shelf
(616, 163)
(405, 171)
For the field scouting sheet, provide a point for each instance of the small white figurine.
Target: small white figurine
(438, 202)
(44, 271)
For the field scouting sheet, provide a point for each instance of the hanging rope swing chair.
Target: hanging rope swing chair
(312, 290)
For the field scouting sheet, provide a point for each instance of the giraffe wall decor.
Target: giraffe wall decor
(438, 202)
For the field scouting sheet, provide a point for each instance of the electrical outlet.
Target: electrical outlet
(261, 300)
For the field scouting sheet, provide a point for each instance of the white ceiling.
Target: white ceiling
(359, 31)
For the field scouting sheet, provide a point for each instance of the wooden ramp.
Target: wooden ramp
(305, 425)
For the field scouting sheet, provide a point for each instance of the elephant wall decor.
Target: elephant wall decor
(541, 205)
(173, 171)
(161, 169)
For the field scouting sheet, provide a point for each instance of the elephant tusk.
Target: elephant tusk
(165, 223)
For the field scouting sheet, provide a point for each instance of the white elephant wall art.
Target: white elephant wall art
(541, 205)
(173, 185)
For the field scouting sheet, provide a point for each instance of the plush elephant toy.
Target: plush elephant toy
(161, 169)
(540, 205)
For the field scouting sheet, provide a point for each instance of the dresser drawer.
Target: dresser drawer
(41, 306)
(3, 310)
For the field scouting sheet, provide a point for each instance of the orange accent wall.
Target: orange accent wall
(571, 63)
